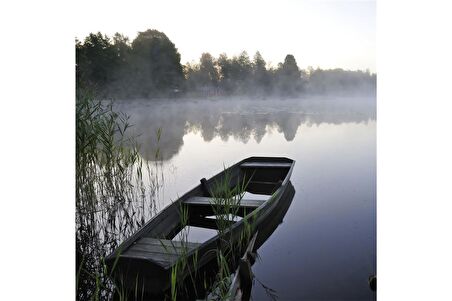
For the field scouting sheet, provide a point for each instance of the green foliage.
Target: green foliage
(150, 67)
(288, 77)
(226, 203)
(342, 81)
(147, 67)
(226, 197)
(203, 76)
(221, 286)
(261, 76)
(156, 63)
(226, 67)
(96, 61)
(113, 199)
(174, 276)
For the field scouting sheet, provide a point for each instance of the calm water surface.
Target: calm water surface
(325, 249)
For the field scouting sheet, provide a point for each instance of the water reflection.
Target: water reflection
(241, 119)
(326, 247)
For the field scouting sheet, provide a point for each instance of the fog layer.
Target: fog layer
(234, 118)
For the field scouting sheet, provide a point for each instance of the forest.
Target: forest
(150, 67)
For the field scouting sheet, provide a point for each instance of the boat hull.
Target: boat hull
(136, 271)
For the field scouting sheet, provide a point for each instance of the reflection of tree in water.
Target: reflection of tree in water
(207, 125)
(288, 124)
(146, 121)
(240, 119)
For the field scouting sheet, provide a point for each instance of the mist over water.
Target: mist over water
(325, 248)
(241, 119)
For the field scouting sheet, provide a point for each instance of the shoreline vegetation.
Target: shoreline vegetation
(117, 193)
(149, 67)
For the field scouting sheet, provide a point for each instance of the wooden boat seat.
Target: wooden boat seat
(265, 165)
(206, 201)
(164, 252)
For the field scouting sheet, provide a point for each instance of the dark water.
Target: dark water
(325, 249)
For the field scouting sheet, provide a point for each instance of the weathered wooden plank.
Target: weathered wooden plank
(152, 249)
(164, 252)
(167, 243)
(266, 165)
(164, 263)
(166, 226)
(151, 255)
(205, 201)
(166, 259)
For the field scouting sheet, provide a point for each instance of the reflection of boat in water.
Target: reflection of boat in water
(147, 258)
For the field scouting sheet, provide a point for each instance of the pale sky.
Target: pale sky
(325, 34)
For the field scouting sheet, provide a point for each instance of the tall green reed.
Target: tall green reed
(116, 191)
(226, 198)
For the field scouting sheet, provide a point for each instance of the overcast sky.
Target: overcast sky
(327, 34)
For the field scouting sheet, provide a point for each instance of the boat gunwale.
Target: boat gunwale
(276, 196)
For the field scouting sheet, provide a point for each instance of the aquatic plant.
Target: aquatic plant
(226, 198)
(115, 192)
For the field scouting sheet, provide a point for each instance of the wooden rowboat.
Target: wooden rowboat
(145, 260)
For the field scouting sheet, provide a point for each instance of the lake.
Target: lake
(325, 248)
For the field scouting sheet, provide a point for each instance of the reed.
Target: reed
(226, 197)
(220, 288)
(116, 192)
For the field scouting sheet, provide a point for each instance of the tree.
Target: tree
(261, 77)
(122, 79)
(155, 64)
(122, 47)
(79, 61)
(241, 72)
(244, 66)
(341, 81)
(96, 60)
(203, 77)
(225, 66)
(208, 70)
(288, 77)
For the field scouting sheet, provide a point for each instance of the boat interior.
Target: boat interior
(194, 219)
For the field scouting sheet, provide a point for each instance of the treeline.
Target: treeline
(149, 66)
